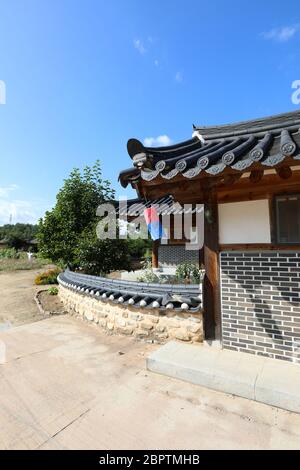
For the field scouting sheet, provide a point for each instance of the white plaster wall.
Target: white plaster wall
(244, 222)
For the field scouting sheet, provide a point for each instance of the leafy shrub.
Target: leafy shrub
(148, 274)
(12, 253)
(52, 291)
(188, 272)
(96, 256)
(138, 247)
(148, 255)
(9, 253)
(47, 277)
(40, 257)
(147, 264)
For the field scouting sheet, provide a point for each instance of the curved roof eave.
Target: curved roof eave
(265, 141)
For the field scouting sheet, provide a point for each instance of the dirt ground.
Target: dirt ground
(51, 303)
(17, 290)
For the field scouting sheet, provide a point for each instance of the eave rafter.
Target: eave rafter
(284, 172)
(259, 181)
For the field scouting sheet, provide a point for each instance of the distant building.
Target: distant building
(31, 245)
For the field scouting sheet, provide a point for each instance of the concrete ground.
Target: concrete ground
(67, 385)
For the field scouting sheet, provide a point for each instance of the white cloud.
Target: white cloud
(179, 77)
(160, 141)
(138, 44)
(19, 210)
(4, 191)
(282, 34)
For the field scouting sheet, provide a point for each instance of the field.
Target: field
(11, 264)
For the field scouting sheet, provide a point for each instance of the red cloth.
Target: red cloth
(151, 215)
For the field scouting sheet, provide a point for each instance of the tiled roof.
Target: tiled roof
(211, 150)
(135, 294)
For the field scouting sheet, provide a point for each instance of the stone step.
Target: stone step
(265, 380)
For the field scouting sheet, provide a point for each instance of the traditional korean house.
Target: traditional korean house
(247, 175)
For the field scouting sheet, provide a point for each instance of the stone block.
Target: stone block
(136, 316)
(197, 338)
(162, 336)
(89, 315)
(120, 322)
(195, 320)
(146, 325)
(194, 328)
(182, 334)
(124, 331)
(141, 333)
(153, 319)
(160, 328)
(102, 314)
(132, 323)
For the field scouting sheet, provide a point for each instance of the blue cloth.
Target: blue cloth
(155, 229)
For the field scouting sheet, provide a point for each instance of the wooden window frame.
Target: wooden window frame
(274, 220)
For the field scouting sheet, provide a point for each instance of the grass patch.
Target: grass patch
(52, 291)
(10, 264)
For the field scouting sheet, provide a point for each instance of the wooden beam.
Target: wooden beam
(258, 247)
(284, 172)
(244, 190)
(229, 180)
(211, 291)
(256, 176)
(257, 186)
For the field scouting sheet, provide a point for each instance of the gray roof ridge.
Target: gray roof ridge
(254, 126)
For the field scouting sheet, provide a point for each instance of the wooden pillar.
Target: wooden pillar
(155, 246)
(272, 214)
(211, 291)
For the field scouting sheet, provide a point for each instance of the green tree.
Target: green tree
(138, 247)
(96, 256)
(67, 233)
(18, 235)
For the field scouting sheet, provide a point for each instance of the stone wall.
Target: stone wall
(127, 320)
(261, 303)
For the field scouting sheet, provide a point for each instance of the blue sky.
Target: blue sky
(82, 77)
